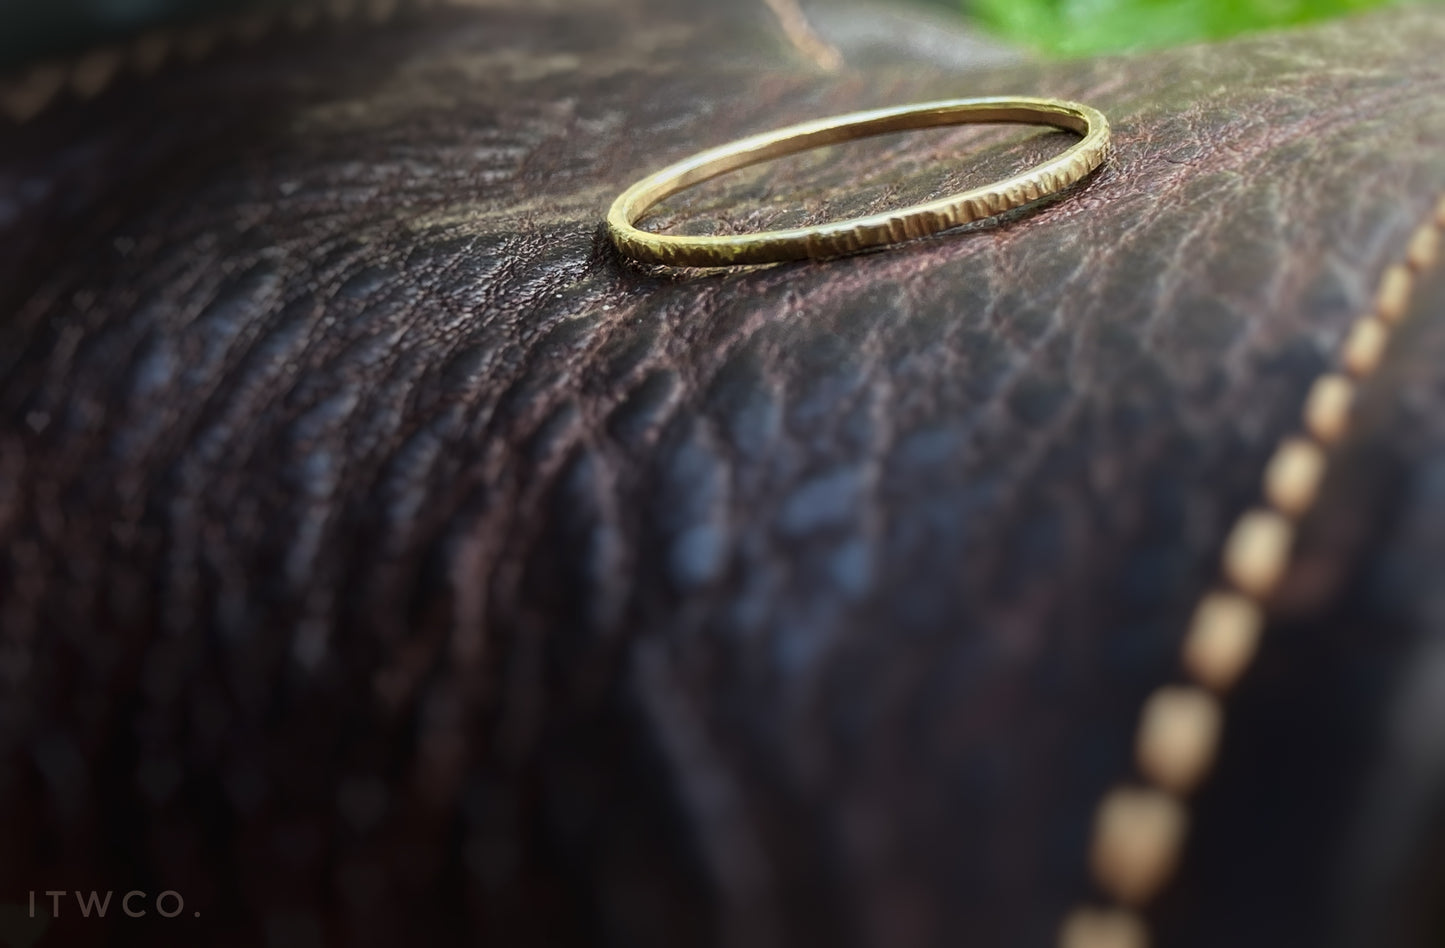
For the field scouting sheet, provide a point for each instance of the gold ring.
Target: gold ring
(844, 237)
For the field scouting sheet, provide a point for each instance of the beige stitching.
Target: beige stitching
(1293, 476)
(1222, 639)
(27, 95)
(1257, 551)
(93, 72)
(1104, 928)
(1394, 296)
(149, 51)
(1140, 830)
(1424, 247)
(1365, 346)
(1178, 737)
(802, 35)
(1138, 835)
(1327, 407)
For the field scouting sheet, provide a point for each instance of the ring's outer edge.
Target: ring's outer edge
(848, 236)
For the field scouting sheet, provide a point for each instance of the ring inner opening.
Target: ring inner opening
(856, 178)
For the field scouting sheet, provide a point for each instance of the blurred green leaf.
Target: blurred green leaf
(1075, 27)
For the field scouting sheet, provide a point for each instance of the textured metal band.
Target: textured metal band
(844, 237)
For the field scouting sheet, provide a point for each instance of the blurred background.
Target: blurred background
(31, 29)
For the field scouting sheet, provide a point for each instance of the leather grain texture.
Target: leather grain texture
(387, 561)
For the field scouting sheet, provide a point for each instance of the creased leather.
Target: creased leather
(386, 560)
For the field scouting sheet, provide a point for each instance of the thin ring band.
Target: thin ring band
(844, 237)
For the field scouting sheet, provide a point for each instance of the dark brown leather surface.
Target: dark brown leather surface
(386, 560)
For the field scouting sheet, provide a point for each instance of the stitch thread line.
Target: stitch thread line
(804, 38)
(35, 89)
(1140, 827)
